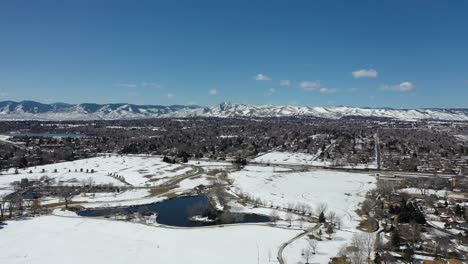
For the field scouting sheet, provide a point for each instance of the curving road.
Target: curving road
(284, 245)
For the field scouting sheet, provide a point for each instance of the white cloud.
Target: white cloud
(327, 90)
(261, 77)
(151, 85)
(140, 85)
(170, 95)
(214, 91)
(365, 73)
(126, 85)
(316, 86)
(4, 93)
(309, 85)
(272, 91)
(402, 87)
(285, 83)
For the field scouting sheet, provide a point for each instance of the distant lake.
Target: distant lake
(47, 135)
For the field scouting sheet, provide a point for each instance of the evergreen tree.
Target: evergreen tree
(458, 211)
(322, 218)
(396, 239)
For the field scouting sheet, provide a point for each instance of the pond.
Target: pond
(179, 211)
(57, 135)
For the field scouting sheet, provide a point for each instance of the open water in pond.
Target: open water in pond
(178, 211)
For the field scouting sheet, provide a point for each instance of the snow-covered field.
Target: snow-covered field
(208, 165)
(137, 171)
(341, 191)
(289, 158)
(54, 239)
(134, 170)
(326, 249)
(439, 193)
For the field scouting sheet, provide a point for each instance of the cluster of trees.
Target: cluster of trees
(407, 212)
(15, 205)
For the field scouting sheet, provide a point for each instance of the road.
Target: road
(377, 151)
(284, 245)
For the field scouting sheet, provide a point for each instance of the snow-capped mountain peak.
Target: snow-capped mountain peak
(30, 110)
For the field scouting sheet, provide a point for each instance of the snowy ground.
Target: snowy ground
(439, 193)
(304, 159)
(51, 239)
(209, 165)
(341, 191)
(326, 248)
(135, 170)
(54, 239)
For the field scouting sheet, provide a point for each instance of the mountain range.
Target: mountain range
(31, 110)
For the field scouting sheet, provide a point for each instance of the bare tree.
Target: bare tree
(36, 206)
(442, 246)
(3, 204)
(321, 208)
(313, 245)
(411, 232)
(66, 195)
(338, 222)
(329, 231)
(385, 188)
(289, 218)
(331, 216)
(361, 248)
(368, 243)
(274, 216)
(307, 252)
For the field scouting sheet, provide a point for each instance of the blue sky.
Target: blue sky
(402, 54)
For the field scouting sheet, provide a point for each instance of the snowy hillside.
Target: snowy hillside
(29, 110)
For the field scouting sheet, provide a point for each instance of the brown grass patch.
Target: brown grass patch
(170, 195)
(312, 236)
(159, 191)
(51, 205)
(368, 225)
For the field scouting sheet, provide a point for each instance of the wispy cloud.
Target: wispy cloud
(272, 91)
(151, 85)
(316, 86)
(365, 73)
(132, 85)
(126, 85)
(4, 93)
(402, 87)
(170, 95)
(214, 91)
(261, 77)
(327, 90)
(285, 83)
(309, 85)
